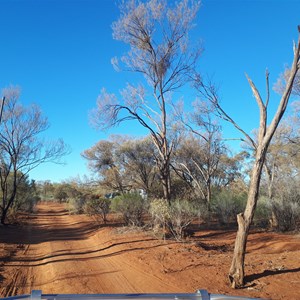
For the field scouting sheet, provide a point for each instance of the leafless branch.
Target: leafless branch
(209, 92)
(262, 109)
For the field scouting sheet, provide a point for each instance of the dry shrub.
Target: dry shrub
(227, 205)
(132, 207)
(287, 214)
(75, 205)
(173, 218)
(98, 208)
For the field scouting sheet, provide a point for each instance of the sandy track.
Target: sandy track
(61, 253)
(66, 254)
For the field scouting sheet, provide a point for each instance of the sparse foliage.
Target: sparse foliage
(282, 81)
(124, 163)
(287, 213)
(262, 213)
(226, 205)
(173, 219)
(203, 149)
(159, 50)
(104, 160)
(132, 207)
(21, 146)
(160, 214)
(138, 159)
(97, 207)
(183, 213)
(75, 205)
(26, 197)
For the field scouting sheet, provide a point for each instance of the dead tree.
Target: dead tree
(260, 146)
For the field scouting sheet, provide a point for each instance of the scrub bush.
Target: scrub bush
(173, 218)
(262, 213)
(75, 205)
(227, 205)
(97, 207)
(132, 207)
(287, 214)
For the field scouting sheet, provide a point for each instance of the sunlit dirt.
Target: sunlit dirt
(60, 253)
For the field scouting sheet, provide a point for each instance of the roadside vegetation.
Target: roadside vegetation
(136, 207)
(183, 172)
(22, 148)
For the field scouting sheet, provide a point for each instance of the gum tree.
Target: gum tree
(123, 163)
(159, 49)
(137, 157)
(103, 159)
(203, 149)
(21, 146)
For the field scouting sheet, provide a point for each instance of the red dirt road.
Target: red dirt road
(61, 253)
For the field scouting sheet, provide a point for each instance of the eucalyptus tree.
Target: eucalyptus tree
(103, 159)
(282, 167)
(282, 81)
(260, 146)
(138, 159)
(282, 158)
(206, 166)
(123, 163)
(22, 147)
(159, 49)
(203, 149)
(197, 162)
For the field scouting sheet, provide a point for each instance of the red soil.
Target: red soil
(60, 253)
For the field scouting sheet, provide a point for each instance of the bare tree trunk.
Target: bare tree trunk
(208, 194)
(164, 162)
(273, 219)
(265, 135)
(3, 216)
(7, 204)
(236, 273)
(1, 110)
(166, 182)
(270, 178)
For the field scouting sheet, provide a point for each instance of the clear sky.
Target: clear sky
(59, 52)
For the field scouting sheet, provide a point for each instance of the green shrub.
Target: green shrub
(287, 214)
(26, 197)
(60, 195)
(226, 206)
(25, 204)
(75, 205)
(262, 213)
(97, 207)
(132, 207)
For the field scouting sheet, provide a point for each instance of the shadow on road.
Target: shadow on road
(46, 227)
(81, 255)
(50, 225)
(267, 273)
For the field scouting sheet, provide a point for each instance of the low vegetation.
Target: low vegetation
(182, 170)
(174, 220)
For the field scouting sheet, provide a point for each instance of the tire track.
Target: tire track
(68, 254)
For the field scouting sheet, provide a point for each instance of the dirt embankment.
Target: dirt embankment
(61, 253)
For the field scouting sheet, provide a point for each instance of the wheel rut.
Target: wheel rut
(66, 254)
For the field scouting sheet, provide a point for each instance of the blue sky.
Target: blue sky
(59, 52)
